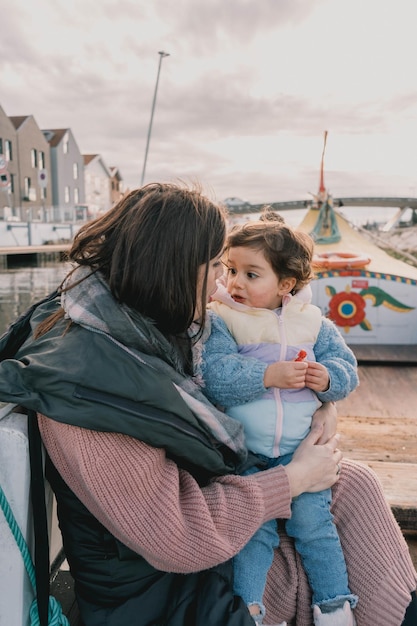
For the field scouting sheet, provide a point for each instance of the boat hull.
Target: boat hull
(368, 307)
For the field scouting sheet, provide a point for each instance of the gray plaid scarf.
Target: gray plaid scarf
(88, 302)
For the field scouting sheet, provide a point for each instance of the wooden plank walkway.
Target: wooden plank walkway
(378, 422)
(11, 256)
(36, 249)
(386, 354)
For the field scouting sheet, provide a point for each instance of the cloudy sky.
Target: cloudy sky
(243, 99)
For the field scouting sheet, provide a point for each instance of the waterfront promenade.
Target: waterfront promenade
(17, 234)
(11, 256)
(37, 249)
(35, 241)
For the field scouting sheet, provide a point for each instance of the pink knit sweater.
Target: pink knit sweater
(160, 512)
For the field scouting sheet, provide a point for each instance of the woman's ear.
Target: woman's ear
(286, 285)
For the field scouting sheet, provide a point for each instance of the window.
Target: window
(43, 193)
(75, 171)
(76, 196)
(41, 160)
(12, 183)
(26, 187)
(8, 150)
(1, 145)
(66, 194)
(65, 143)
(34, 157)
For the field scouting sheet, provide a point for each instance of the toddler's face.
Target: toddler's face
(251, 279)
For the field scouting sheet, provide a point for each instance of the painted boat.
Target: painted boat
(370, 295)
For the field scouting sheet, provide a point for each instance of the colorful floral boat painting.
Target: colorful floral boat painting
(370, 295)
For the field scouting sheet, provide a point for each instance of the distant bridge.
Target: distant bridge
(400, 203)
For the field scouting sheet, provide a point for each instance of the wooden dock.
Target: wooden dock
(39, 249)
(15, 255)
(378, 422)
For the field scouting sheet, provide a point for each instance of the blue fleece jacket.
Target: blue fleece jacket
(275, 420)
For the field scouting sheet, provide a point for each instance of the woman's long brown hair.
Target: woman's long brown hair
(149, 248)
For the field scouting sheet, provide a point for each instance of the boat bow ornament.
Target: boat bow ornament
(325, 229)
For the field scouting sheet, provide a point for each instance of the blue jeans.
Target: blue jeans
(316, 540)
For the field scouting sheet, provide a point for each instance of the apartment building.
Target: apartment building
(44, 176)
(67, 169)
(33, 191)
(8, 171)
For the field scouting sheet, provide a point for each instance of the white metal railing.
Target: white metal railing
(45, 214)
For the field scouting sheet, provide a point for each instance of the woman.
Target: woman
(144, 469)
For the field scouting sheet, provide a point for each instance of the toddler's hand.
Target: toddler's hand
(286, 374)
(317, 377)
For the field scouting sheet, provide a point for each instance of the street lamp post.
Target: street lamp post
(162, 54)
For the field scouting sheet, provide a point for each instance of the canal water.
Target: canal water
(21, 287)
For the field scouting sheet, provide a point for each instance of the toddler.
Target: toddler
(270, 360)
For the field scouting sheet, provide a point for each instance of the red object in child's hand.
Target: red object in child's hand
(301, 355)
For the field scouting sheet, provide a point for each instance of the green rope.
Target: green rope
(55, 616)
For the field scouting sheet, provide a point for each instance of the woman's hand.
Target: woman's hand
(314, 467)
(326, 417)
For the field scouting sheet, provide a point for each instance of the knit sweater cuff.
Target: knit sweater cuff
(277, 494)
